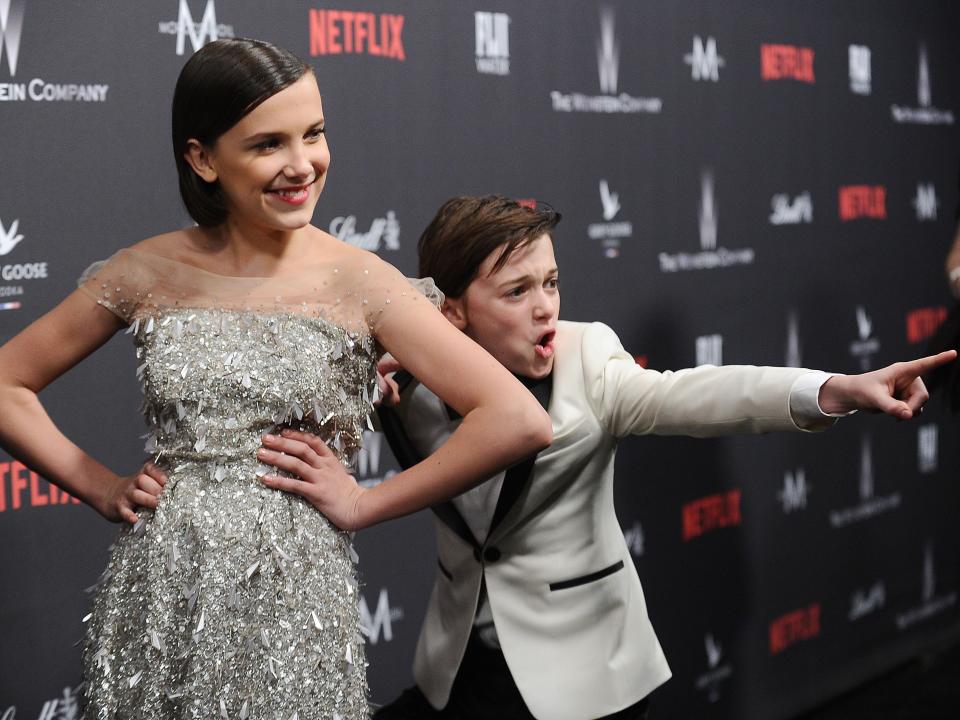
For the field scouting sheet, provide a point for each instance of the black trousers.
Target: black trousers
(482, 690)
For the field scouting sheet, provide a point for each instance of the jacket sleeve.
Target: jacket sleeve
(704, 401)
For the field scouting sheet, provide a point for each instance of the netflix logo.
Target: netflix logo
(794, 627)
(336, 32)
(863, 201)
(711, 513)
(21, 488)
(922, 323)
(786, 62)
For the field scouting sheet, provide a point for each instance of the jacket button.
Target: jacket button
(491, 554)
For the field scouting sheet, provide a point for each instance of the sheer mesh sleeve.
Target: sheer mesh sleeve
(120, 284)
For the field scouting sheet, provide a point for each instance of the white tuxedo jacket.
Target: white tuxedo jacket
(565, 596)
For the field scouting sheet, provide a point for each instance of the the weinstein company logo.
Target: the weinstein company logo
(703, 60)
(926, 114)
(367, 462)
(717, 670)
(610, 232)
(198, 33)
(865, 602)
(933, 604)
(860, 74)
(711, 513)
(709, 349)
(634, 538)
(710, 256)
(37, 89)
(870, 505)
(337, 32)
(493, 42)
(384, 233)
(865, 345)
(786, 62)
(793, 354)
(925, 202)
(795, 490)
(928, 440)
(787, 211)
(608, 68)
(862, 201)
(379, 624)
(794, 627)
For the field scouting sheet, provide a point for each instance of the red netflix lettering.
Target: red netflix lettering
(20, 488)
(780, 62)
(710, 513)
(793, 627)
(335, 32)
(923, 323)
(863, 201)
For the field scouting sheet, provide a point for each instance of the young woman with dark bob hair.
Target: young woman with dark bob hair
(225, 597)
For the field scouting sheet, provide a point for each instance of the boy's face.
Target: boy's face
(513, 313)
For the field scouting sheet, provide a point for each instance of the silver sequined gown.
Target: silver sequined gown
(232, 600)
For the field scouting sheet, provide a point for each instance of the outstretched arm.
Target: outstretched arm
(896, 390)
(32, 360)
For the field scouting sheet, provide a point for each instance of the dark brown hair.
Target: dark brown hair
(220, 84)
(466, 230)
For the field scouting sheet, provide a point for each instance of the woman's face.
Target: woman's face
(273, 163)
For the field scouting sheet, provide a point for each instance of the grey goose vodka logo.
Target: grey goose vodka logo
(37, 89)
(710, 256)
(926, 113)
(611, 232)
(611, 101)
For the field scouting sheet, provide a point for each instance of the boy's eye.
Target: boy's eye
(516, 292)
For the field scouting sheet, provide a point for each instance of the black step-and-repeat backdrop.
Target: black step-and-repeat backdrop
(741, 182)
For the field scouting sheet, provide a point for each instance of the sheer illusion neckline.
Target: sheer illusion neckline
(305, 268)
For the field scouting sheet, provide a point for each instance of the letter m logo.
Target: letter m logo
(199, 33)
(379, 624)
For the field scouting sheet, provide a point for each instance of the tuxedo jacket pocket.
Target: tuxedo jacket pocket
(588, 578)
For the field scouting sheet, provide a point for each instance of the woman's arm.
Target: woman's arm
(502, 423)
(28, 363)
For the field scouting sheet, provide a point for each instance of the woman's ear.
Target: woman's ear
(198, 157)
(455, 311)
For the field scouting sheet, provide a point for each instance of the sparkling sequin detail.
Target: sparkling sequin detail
(229, 601)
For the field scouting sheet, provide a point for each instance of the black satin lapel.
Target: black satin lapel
(518, 477)
(451, 517)
(407, 456)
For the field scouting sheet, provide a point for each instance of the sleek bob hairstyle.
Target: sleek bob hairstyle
(218, 86)
(466, 230)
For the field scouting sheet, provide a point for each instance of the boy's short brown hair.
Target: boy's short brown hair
(466, 230)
